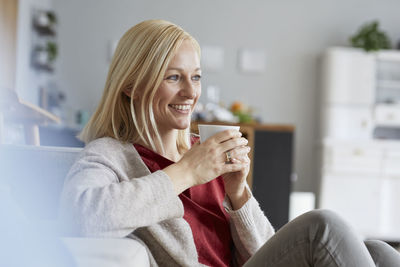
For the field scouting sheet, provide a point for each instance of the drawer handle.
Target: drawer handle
(364, 124)
(357, 152)
(390, 116)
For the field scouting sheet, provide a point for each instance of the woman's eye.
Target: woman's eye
(173, 77)
(196, 78)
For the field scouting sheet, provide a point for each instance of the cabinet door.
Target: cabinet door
(387, 115)
(355, 198)
(271, 174)
(391, 163)
(344, 122)
(348, 76)
(390, 215)
(349, 159)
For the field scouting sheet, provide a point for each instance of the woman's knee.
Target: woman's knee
(323, 216)
(323, 219)
(326, 226)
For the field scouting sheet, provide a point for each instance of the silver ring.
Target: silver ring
(228, 157)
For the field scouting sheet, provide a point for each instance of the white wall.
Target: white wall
(293, 34)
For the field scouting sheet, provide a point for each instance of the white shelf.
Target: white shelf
(389, 84)
(372, 143)
(388, 55)
(388, 124)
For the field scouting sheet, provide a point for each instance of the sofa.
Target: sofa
(30, 185)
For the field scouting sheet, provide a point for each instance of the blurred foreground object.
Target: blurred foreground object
(370, 38)
(15, 111)
(23, 242)
(30, 225)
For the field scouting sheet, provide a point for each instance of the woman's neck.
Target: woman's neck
(169, 141)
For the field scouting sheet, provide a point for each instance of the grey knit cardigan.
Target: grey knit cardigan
(110, 192)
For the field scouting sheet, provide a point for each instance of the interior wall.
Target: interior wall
(292, 33)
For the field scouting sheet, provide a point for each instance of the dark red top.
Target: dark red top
(204, 213)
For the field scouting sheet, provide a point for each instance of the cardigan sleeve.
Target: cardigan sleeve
(250, 228)
(96, 201)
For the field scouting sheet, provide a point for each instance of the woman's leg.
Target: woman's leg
(383, 254)
(316, 238)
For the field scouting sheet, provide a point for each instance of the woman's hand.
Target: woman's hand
(235, 182)
(206, 161)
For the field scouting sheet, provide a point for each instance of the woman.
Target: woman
(142, 176)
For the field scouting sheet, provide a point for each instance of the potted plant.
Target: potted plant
(370, 38)
(44, 22)
(45, 55)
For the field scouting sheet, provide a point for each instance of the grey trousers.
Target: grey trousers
(321, 238)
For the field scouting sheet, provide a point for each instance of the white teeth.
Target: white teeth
(181, 107)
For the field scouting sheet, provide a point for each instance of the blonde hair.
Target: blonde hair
(138, 66)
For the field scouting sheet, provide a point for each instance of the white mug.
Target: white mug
(206, 130)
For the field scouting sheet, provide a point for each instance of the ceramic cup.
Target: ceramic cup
(206, 130)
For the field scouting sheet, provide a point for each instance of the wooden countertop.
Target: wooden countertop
(256, 126)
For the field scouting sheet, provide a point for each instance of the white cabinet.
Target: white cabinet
(360, 175)
(360, 91)
(361, 182)
(355, 198)
(348, 77)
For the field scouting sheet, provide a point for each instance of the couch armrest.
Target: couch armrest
(105, 252)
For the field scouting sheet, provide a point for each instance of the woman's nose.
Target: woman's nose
(188, 90)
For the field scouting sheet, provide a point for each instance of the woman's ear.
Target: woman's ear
(127, 92)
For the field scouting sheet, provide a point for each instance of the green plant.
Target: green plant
(370, 38)
(243, 116)
(51, 48)
(52, 17)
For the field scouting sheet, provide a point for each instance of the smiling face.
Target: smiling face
(179, 91)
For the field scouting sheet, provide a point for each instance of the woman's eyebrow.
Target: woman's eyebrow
(180, 69)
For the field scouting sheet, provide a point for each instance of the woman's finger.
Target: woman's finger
(224, 136)
(233, 143)
(233, 167)
(244, 160)
(240, 152)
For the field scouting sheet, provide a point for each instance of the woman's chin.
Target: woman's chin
(183, 125)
